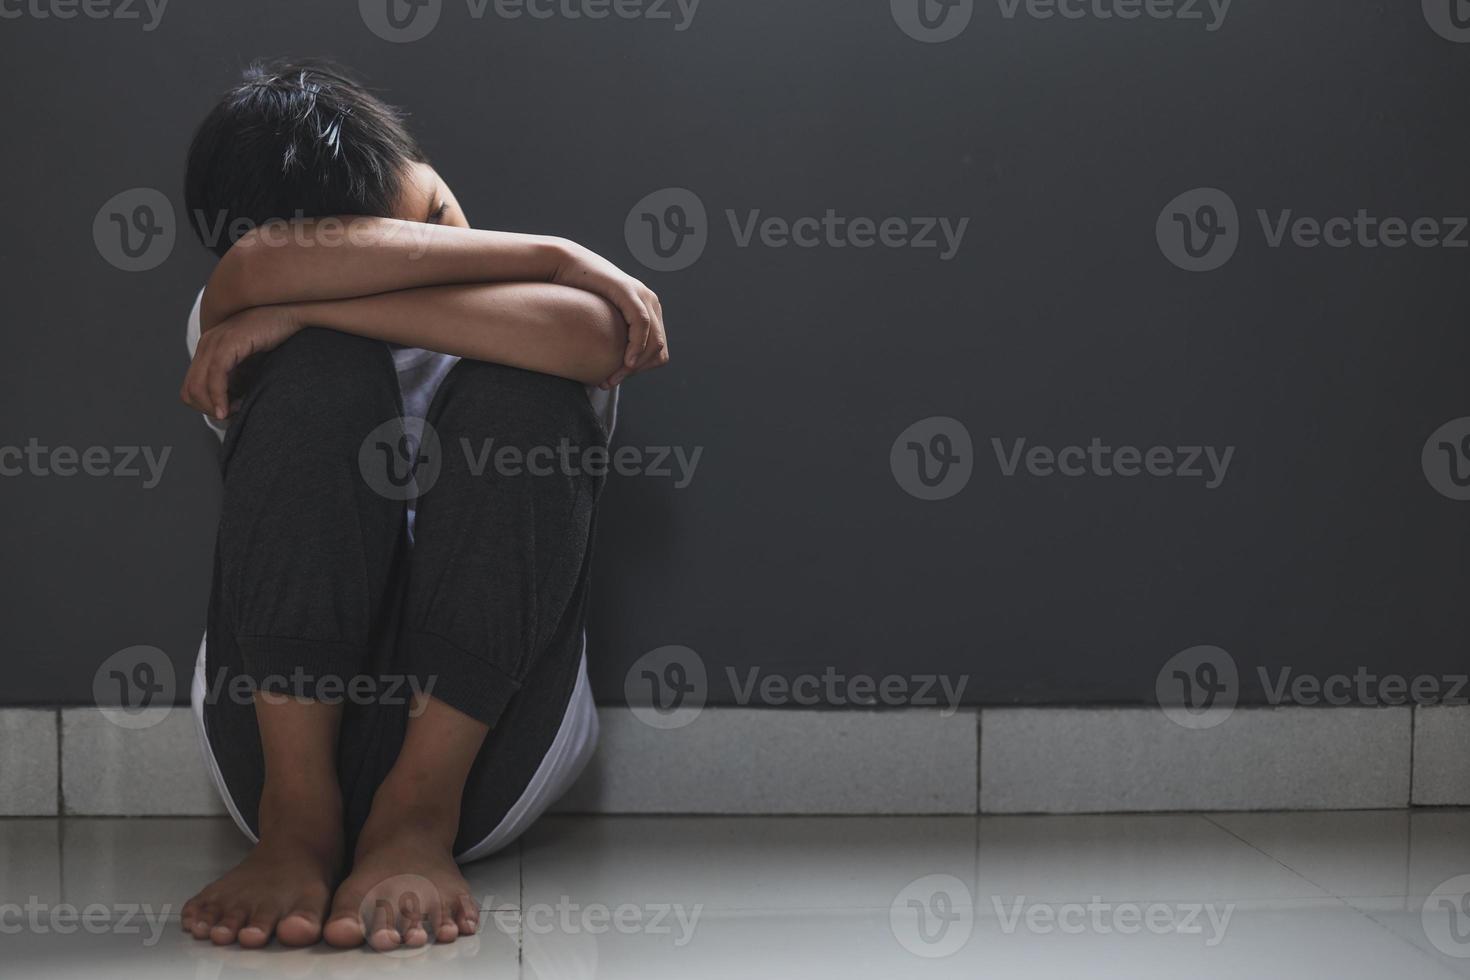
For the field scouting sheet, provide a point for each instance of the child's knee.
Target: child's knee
(516, 407)
(323, 368)
(320, 389)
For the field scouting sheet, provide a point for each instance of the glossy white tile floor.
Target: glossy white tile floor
(1340, 895)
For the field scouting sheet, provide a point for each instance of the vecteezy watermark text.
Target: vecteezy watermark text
(1200, 687)
(42, 918)
(303, 231)
(303, 685)
(1362, 688)
(668, 688)
(126, 462)
(934, 458)
(135, 230)
(405, 21)
(832, 230)
(566, 917)
(148, 12)
(1200, 230)
(1114, 918)
(1098, 459)
(135, 687)
(831, 688)
(935, 21)
(404, 457)
(566, 459)
(669, 229)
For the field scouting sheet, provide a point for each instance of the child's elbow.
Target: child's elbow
(603, 335)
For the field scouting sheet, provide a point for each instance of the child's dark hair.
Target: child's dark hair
(294, 139)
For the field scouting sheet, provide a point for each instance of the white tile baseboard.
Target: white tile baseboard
(1102, 760)
(28, 762)
(113, 771)
(1442, 756)
(909, 761)
(768, 761)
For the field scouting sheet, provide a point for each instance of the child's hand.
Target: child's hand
(222, 349)
(648, 345)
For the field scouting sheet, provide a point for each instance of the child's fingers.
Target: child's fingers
(219, 389)
(639, 327)
(656, 355)
(193, 392)
(655, 349)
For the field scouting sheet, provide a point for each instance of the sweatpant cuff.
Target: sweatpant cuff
(317, 670)
(459, 679)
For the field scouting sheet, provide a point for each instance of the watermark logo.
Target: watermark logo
(932, 21)
(1198, 688)
(1199, 230)
(1446, 459)
(135, 687)
(935, 21)
(134, 231)
(1446, 917)
(1209, 12)
(1208, 464)
(301, 685)
(933, 459)
(1114, 918)
(678, 12)
(148, 12)
(397, 905)
(674, 463)
(668, 229)
(1362, 688)
(839, 231)
(301, 231)
(565, 917)
(400, 21)
(42, 919)
(667, 688)
(933, 917)
(1450, 19)
(834, 689)
(401, 459)
(143, 463)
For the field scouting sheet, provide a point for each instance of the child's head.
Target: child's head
(299, 139)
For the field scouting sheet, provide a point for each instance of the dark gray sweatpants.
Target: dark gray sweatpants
(317, 589)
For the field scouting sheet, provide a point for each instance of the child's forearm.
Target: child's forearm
(342, 258)
(541, 327)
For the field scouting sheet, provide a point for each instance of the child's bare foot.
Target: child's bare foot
(404, 889)
(283, 885)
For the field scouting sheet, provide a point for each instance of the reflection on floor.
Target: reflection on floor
(1349, 894)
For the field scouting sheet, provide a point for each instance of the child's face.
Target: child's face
(425, 197)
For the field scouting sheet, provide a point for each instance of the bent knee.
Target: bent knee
(326, 372)
(321, 360)
(515, 405)
(319, 388)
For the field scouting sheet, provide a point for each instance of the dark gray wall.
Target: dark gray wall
(796, 548)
